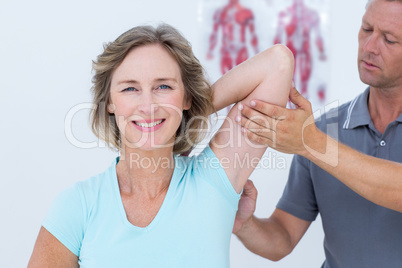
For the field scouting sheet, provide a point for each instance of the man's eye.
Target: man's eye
(389, 41)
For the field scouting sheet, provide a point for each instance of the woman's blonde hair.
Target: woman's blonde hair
(194, 122)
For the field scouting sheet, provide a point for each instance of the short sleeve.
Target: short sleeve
(299, 197)
(209, 168)
(65, 219)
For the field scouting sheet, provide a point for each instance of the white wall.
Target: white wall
(46, 48)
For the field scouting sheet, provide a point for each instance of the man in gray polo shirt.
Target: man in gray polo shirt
(358, 233)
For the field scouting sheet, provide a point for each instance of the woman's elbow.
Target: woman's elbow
(283, 57)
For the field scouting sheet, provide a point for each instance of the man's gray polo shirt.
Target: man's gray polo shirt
(358, 233)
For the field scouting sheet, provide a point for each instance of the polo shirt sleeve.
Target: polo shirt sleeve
(65, 219)
(299, 197)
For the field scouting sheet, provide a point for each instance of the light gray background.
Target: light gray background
(46, 48)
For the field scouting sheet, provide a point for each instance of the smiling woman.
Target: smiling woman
(190, 76)
(152, 207)
(153, 98)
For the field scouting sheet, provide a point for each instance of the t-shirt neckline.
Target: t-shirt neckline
(162, 209)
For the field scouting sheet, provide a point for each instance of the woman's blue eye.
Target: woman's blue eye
(129, 89)
(164, 87)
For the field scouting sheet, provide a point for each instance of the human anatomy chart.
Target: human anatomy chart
(233, 20)
(299, 29)
(233, 30)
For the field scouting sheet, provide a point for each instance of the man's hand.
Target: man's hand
(285, 130)
(247, 206)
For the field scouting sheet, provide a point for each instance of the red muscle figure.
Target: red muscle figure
(295, 25)
(234, 19)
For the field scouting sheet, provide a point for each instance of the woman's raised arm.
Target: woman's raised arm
(266, 76)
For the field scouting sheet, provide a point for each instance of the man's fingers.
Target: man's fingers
(258, 118)
(265, 131)
(249, 190)
(270, 110)
(253, 137)
(249, 187)
(297, 99)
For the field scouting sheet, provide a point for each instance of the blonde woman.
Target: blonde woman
(152, 207)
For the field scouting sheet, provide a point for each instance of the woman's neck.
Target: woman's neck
(145, 172)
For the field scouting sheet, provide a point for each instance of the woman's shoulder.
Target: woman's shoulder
(201, 163)
(97, 182)
(88, 190)
(206, 160)
(204, 170)
(193, 160)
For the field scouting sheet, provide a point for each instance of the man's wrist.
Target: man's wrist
(246, 227)
(314, 141)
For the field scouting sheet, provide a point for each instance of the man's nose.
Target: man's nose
(371, 44)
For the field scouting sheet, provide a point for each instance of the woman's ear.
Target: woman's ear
(111, 108)
(187, 103)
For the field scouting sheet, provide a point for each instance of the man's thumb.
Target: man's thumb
(297, 99)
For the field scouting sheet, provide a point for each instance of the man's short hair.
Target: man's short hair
(369, 2)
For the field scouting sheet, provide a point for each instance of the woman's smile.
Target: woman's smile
(149, 125)
(149, 97)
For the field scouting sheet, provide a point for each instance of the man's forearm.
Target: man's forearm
(266, 238)
(377, 180)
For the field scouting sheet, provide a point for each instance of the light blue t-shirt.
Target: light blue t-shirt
(192, 228)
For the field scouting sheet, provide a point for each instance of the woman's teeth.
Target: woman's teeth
(148, 125)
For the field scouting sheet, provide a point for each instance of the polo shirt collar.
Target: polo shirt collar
(358, 113)
(399, 119)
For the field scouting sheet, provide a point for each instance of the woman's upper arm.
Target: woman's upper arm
(60, 237)
(268, 77)
(50, 252)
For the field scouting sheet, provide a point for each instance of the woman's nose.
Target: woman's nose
(148, 106)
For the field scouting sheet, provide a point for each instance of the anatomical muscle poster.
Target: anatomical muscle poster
(234, 30)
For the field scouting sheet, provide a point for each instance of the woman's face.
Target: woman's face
(147, 98)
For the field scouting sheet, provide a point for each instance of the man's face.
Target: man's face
(380, 45)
